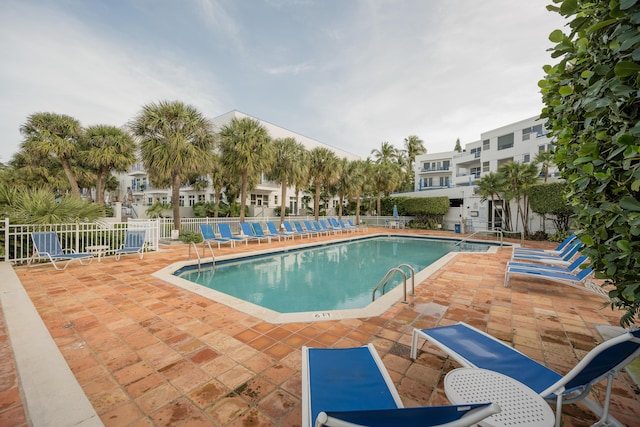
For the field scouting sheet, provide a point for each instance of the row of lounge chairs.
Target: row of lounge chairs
(254, 231)
(47, 246)
(350, 386)
(563, 264)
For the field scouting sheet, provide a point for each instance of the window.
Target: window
(446, 165)
(192, 199)
(486, 144)
(150, 201)
(259, 200)
(526, 158)
(475, 172)
(532, 132)
(275, 200)
(202, 198)
(181, 201)
(505, 141)
(485, 167)
(428, 182)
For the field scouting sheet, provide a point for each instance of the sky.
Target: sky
(349, 73)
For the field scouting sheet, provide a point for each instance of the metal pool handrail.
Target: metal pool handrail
(499, 232)
(387, 277)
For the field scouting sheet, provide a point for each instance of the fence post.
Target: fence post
(5, 257)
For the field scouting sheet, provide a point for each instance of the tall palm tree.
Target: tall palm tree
(490, 186)
(545, 159)
(386, 154)
(289, 158)
(322, 172)
(342, 185)
(518, 177)
(176, 141)
(353, 176)
(413, 146)
(386, 179)
(107, 149)
(246, 151)
(219, 178)
(56, 136)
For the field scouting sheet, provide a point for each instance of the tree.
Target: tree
(413, 146)
(386, 154)
(490, 187)
(175, 142)
(56, 136)
(386, 178)
(107, 149)
(592, 109)
(322, 173)
(549, 199)
(545, 160)
(289, 158)
(358, 171)
(458, 147)
(218, 177)
(246, 151)
(518, 178)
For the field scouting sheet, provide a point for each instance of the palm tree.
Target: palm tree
(246, 151)
(108, 148)
(175, 142)
(386, 154)
(323, 171)
(490, 186)
(289, 158)
(218, 176)
(545, 159)
(413, 146)
(386, 178)
(518, 177)
(56, 136)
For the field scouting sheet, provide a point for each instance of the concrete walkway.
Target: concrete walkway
(112, 340)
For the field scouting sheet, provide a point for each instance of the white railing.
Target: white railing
(18, 247)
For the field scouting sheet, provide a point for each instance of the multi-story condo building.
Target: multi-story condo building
(137, 192)
(453, 173)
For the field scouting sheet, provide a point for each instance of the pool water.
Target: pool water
(329, 277)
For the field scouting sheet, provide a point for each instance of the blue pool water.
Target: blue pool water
(330, 277)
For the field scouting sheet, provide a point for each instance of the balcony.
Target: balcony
(438, 169)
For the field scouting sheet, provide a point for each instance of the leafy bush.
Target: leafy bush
(592, 107)
(549, 199)
(190, 237)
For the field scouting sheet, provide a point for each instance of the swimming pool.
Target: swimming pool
(321, 278)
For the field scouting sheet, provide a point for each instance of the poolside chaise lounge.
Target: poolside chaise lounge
(351, 387)
(134, 243)
(225, 232)
(273, 231)
(247, 232)
(259, 232)
(289, 229)
(46, 245)
(335, 224)
(357, 227)
(580, 280)
(208, 235)
(571, 268)
(473, 348)
(346, 226)
(564, 258)
(556, 251)
(329, 226)
(301, 229)
(316, 227)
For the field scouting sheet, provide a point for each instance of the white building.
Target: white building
(452, 174)
(137, 192)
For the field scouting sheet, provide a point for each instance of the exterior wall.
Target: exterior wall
(519, 142)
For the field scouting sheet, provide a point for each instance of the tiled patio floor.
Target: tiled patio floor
(148, 353)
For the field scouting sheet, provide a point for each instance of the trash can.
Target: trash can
(456, 227)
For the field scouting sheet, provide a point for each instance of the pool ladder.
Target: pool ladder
(498, 232)
(195, 248)
(387, 278)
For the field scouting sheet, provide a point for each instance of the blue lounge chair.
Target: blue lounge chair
(259, 232)
(346, 226)
(329, 226)
(357, 227)
(580, 280)
(351, 387)
(335, 224)
(46, 245)
(310, 229)
(247, 232)
(300, 229)
(288, 228)
(273, 231)
(320, 230)
(564, 258)
(556, 251)
(571, 268)
(473, 348)
(225, 232)
(210, 236)
(134, 243)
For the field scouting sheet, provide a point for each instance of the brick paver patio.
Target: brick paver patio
(147, 353)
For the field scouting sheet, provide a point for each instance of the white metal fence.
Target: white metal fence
(16, 245)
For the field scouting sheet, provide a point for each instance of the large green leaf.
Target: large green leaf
(626, 68)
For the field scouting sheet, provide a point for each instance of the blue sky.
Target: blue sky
(348, 73)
